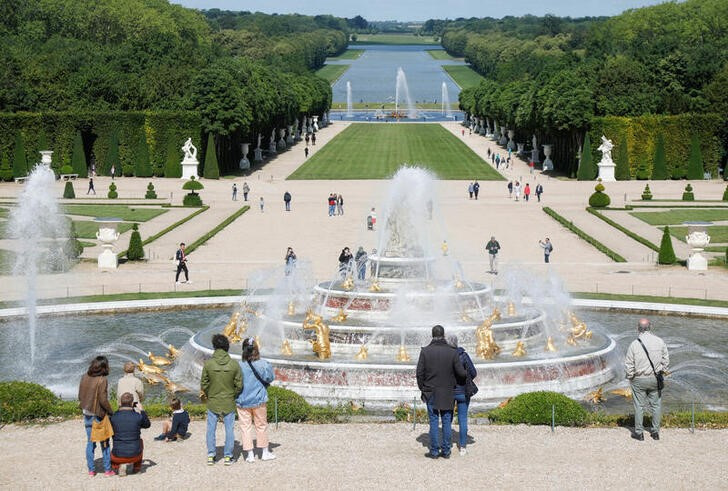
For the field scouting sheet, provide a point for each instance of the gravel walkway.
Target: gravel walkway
(377, 456)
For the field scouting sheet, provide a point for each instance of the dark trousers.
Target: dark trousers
(245, 196)
(183, 267)
(546, 258)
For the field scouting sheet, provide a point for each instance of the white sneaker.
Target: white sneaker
(267, 455)
(463, 452)
(189, 282)
(176, 282)
(250, 458)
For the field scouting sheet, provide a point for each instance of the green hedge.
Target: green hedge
(583, 235)
(599, 199)
(624, 230)
(209, 235)
(535, 408)
(21, 401)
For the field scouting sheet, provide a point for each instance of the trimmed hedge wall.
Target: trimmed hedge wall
(641, 134)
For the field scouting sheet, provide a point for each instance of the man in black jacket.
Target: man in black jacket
(438, 371)
(127, 423)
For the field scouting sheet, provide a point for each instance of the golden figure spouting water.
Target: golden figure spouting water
(235, 328)
(160, 361)
(145, 368)
(459, 285)
(362, 354)
(596, 396)
(402, 354)
(374, 287)
(348, 283)
(339, 317)
(571, 341)
(624, 392)
(155, 378)
(465, 317)
(485, 345)
(321, 344)
(444, 248)
(520, 350)
(174, 388)
(511, 309)
(291, 308)
(286, 349)
(173, 352)
(550, 345)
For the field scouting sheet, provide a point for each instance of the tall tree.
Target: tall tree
(621, 172)
(78, 157)
(659, 163)
(172, 166)
(142, 166)
(211, 169)
(695, 161)
(112, 164)
(587, 170)
(20, 160)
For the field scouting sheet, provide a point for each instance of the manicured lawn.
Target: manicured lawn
(376, 151)
(392, 39)
(677, 216)
(349, 54)
(463, 75)
(718, 233)
(440, 54)
(7, 259)
(86, 229)
(332, 72)
(4, 212)
(128, 213)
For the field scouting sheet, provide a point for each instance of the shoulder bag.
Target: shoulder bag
(658, 375)
(257, 375)
(470, 388)
(101, 431)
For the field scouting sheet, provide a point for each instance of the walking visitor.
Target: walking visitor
(463, 393)
(246, 190)
(305, 152)
(526, 192)
(439, 370)
(510, 189)
(345, 259)
(517, 191)
(548, 248)
(371, 219)
(645, 363)
(251, 403)
(93, 399)
(361, 259)
(290, 261)
(91, 186)
(287, 200)
(220, 385)
(332, 204)
(539, 191)
(493, 247)
(181, 258)
(130, 383)
(340, 204)
(235, 192)
(127, 423)
(262, 205)
(476, 189)
(470, 191)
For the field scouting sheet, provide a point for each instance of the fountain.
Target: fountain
(349, 105)
(37, 224)
(401, 94)
(446, 109)
(358, 340)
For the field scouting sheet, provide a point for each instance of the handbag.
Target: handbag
(101, 431)
(470, 388)
(257, 375)
(658, 375)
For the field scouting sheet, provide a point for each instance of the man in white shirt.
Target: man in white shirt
(641, 374)
(129, 383)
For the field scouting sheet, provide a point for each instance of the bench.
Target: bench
(21, 179)
(66, 177)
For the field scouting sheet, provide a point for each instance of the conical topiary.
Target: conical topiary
(695, 161)
(647, 194)
(112, 192)
(142, 166)
(112, 161)
(688, 194)
(72, 248)
(667, 253)
(173, 167)
(20, 159)
(659, 163)
(78, 157)
(68, 191)
(599, 199)
(587, 170)
(211, 169)
(621, 171)
(725, 193)
(6, 171)
(151, 193)
(192, 198)
(135, 252)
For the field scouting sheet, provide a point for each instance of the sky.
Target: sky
(420, 10)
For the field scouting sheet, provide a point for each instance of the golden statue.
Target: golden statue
(520, 350)
(511, 309)
(596, 397)
(291, 308)
(374, 287)
(571, 341)
(579, 331)
(624, 392)
(444, 248)
(485, 346)
(155, 378)
(459, 285)
(465, 317)
(402, 354)
(550, 345)
(321, 345)
(362, 354)
(173, 352)
(311, 318)
(160, 361)
(145, 368)
(505, 403)
(174, 388)
(348, 283)
(340, 317)
(235, 328)
(286, 349)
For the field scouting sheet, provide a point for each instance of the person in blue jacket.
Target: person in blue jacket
(463, 392)
(251, 403)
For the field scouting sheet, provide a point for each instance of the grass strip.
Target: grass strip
(209, 235)
(349, 54)
(624, 230)
(440, 54)
(126, 213)
(650, 299)
(584, 236)
(166, 230)
(677, 217)
(463, 75)
(332, 73)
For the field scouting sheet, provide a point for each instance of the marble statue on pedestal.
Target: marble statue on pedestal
(272, 143)
(258, 152)
(189, 162)
(606, 165)
(534, 150)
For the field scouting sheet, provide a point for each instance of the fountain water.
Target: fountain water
(349, 106)
(402, 94)
(39, 227)
(446, 109)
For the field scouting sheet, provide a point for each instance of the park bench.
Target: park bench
(67, 177)
(21, 179)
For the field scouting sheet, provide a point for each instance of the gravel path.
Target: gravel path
(371, 456)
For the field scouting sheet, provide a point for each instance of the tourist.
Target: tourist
(548, 248)
(539, 191)
(235, 192)
(510, 189)
(290, 261)
(526, 192)
(372, 264)
(129, 383)
(340, 204)
(262, 205)
(372, 219)
(313, 139)
(463, 393)
(93, 399)
(113, 172)
(246, 190)
(488, 152)
(332, 204)
(462, 132)
(177, 425)
(287, 200)
(345, 259)
(497, 160)
(493, 247)
(251, 403)
(517, 191)
(181, 258)
(531, 166)
(128, 422)
(305, 152)
(361, 262)
(91, 186)
(645, 363)
(476, 189)
(221, 383)
(308, 135)
(470, 191)
(438, 372)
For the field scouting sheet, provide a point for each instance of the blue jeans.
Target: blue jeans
(463, 403)
(229, 422)
(435, 416)
(91, 446)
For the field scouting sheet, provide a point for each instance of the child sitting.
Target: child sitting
(177, 426)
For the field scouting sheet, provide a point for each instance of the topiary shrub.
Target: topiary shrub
(66, 169)
(21, 401)
(647, 194)
(725, 194)
(688, 194)
(151, 193)
(534, 408)
(695, 160)
(192, 198)
(172, 166)
(211, 169)
(68, 191)
(599, 199)
(135, 252)
(587, 169)
(112, 192)
(142, 165)
(78, 157)
(72, 248)
(621, 171)
(667, 253)
(292, 408)
(6, 172)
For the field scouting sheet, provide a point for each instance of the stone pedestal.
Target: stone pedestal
(511, 144)
(521, 147)
(698, 239)
(477, 125)
(244, 162)
(272, 147)
(606, 171)
(107, 235)
(496, 131)
(258, 154)
(547, 164)
(189, 168)
(483, 129)
(297, 131)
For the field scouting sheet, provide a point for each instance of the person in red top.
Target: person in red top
(527, 191)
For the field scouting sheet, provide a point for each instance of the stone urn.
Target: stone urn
(244, 162)
(698, 239)
(496, 133)
(272, 144)
(297, 130)
(107, 235)
(45, 157)
(547, 164)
